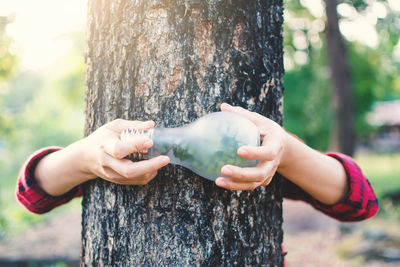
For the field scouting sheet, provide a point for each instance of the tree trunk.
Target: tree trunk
(343, 138)
(172, 62)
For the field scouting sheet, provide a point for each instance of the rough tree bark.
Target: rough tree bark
(343, 138)
(172, 62)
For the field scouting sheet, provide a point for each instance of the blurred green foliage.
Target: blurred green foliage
(8, 65)
(375, 72)
(8, 60)
(38, 109)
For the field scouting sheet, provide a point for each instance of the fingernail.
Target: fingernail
(226, 171)
(149, 123)
(148, 143)
(220, 182)
(242, 150)
(164, 159)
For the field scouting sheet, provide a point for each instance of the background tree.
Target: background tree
(174, 61)
(343, 137)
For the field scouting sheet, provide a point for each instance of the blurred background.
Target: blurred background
(42, 86)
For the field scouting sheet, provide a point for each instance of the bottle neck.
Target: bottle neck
(132, 133)
(165, 141)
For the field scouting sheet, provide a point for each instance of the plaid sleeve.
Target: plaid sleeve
(360, 202)
(31, 195)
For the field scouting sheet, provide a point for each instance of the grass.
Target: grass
(382, 170)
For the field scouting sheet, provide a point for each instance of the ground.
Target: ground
(311, 239)
(314, 239)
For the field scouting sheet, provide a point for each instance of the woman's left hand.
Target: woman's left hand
(269, 154)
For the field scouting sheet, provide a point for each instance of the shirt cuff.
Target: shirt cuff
(31, 195)
(360, 201)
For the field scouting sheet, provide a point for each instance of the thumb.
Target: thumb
(121, 148)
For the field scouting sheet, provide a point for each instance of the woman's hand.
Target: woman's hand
(269, 154)
(101, 154)
(321, 176)
(107, 152)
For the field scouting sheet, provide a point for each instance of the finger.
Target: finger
(143, 167)
(121, 148)
(267, 181)
(132, 170)
(119, 125)
(112, 176)
(226, 107)
(254, 174)
(266, 152)
(252, 116)
(232, 185)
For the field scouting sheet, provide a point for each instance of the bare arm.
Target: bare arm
(321, 176)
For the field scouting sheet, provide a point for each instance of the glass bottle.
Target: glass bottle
(205, 145)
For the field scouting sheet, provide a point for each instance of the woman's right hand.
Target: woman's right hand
(101, 154)
(106, 152)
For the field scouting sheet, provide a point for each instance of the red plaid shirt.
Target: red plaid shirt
(360, 202)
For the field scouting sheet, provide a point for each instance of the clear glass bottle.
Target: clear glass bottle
(205, 145)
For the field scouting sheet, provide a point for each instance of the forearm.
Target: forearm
(323, 177)
(59, 172)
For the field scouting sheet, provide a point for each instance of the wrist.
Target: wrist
(80, 159)
(287, 154)
(59, 172)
